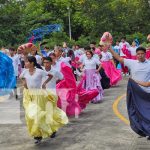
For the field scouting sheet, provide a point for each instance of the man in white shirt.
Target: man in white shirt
(138, 100)
(56, 74)
(140, 68)
(15, 59)
(16, 63)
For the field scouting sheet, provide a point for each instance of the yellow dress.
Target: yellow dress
(43, 117)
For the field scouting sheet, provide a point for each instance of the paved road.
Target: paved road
(97, 128)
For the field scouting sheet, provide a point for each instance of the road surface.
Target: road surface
(97, 128)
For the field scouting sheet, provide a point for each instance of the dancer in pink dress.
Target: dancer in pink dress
(72, 98)
(108, 64)
(92, 76)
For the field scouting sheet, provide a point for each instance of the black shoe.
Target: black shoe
(148, 138)
(95, 102)
(53, 135)
(16, 96)
(38, 140)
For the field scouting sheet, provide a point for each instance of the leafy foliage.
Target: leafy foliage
(89, 19)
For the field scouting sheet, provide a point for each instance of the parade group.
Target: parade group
(61, 82)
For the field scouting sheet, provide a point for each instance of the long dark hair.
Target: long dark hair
(32, 59)
(71, 54)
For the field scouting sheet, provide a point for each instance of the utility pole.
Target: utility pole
(69, 14)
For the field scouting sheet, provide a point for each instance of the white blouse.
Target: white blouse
(34, 81)
(90, 63)
(60, 60)
(106, 56)
(84, 57)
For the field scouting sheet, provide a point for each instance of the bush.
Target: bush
(57, 38)
(141, 37)
(145, 44)
(83, 41)
(1, 43)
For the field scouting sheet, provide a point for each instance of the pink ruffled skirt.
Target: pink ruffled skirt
(112, 72)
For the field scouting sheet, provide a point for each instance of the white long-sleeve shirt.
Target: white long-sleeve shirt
(16, 63)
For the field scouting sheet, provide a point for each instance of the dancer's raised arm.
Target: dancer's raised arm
(120, 59)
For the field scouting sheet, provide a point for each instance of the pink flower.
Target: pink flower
(107, 38)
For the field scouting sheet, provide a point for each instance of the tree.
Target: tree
(89, 18)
